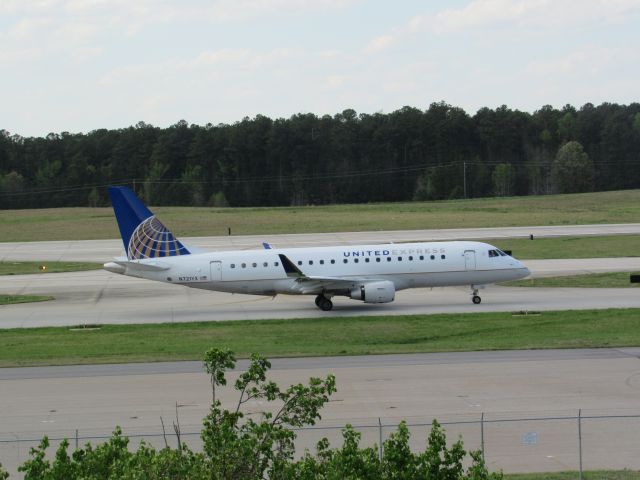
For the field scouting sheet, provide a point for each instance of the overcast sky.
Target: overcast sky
(76, 65)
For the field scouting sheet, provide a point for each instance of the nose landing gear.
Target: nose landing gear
(475, 298)
(323, 303)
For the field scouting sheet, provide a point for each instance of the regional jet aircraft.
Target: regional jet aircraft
(369, 273)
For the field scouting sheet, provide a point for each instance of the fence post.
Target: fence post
(76, 439)
(580, 439)
(380, 435)
(482, 435)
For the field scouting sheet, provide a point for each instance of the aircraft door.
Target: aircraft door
(470, 260)
(216, 271)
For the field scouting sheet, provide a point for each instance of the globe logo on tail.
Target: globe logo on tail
(151, 239)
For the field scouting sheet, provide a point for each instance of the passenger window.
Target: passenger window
(244, 265)
(388, 259)
(254, 265)
(421, 257)
(442, 257)
(433, 257)
(265, 264)
(310, 262)
(345, 261)
(333, 261)
(410, 258)
(355, 260)
(233, 265)
(399, 259)
(321, 262)
(378, 259)
(276, 264)
(299, 262)
(366, 260)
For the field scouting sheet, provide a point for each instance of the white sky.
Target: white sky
(79, 65)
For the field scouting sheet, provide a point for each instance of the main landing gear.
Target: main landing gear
(323, 303)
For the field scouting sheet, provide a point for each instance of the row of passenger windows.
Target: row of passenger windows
(367, 260)
(345, 260)
(255, 265)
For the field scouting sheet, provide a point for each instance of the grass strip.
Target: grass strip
(592, 280)
(588, 475)
(321, 336)
(571, 247)
(22, 268)
(10, 299)
(98, 223)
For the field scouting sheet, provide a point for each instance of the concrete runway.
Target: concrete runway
(452, 387)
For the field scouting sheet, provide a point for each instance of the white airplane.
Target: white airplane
(370, 273)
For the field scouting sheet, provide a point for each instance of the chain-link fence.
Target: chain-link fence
(580, 441)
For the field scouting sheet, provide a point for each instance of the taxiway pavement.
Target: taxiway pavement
(455, 388)
(102, 297)
(104, 250)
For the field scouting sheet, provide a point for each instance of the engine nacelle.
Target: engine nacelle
(375, 292)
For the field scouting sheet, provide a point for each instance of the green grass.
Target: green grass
(97, 223)
(322, 336)
(571, 247)
(21, 268)
(592, 475)
(594, 280)
(10, 299)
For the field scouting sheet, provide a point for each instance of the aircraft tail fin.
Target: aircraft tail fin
(143, 235)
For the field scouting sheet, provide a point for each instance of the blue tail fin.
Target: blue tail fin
(143, 235)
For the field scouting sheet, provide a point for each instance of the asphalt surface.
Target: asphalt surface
(455, 388)
(106, 298)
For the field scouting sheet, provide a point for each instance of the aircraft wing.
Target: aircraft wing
(307, 284)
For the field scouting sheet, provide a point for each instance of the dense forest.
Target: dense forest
(410, 154)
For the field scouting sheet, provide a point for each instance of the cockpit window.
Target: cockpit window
(502, 254)
(493, 253)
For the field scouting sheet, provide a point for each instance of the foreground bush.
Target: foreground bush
(235, 447)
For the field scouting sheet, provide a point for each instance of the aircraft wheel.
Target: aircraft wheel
(318, 299)
(325, 304)
(476, 299)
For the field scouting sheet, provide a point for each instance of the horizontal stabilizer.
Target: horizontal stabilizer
(146, 266)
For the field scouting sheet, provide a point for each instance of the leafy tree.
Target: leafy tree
(572, 170)
(504, 179)
(218, 200)
(235, 446)
(566, 127)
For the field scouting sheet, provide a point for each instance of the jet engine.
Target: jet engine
(375, 292)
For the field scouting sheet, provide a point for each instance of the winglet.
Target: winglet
(266, 246)
(289, 267)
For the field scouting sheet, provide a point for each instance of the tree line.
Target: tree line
(409, 154)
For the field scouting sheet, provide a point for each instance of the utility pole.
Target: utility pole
(464, 177)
